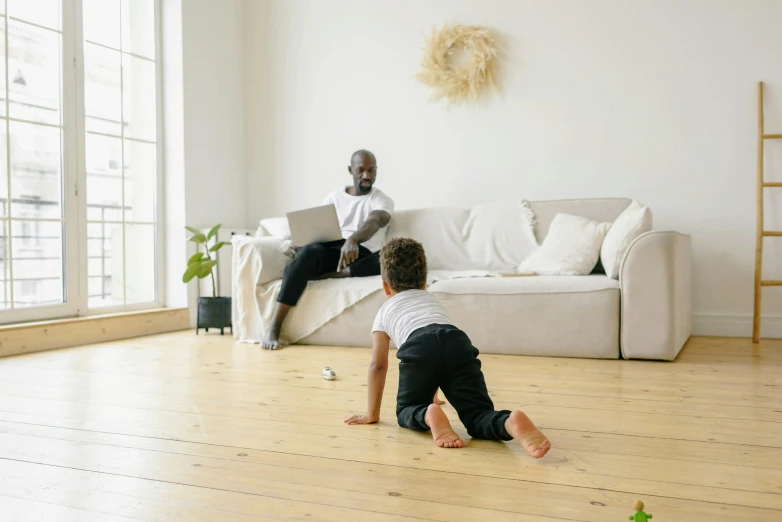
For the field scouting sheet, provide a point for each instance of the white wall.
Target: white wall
(203, 91)
(654, 100)
(212, 42)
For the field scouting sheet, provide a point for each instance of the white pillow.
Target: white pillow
(499, 236)
(276, 227)
(572, 247)
(634, 221)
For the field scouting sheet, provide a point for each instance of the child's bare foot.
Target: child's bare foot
(437, 400)
(442, 433)
(531, 439)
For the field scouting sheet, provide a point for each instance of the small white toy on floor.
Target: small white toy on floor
(328, 374)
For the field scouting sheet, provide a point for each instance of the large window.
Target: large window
(79, 157)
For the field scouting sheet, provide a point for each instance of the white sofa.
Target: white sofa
(645, 314)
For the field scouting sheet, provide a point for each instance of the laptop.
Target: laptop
(314, 225)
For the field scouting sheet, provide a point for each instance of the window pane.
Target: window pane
(2, 64)
(104, 178)
(94, 230)
(121, 102)
(138, 27)
(41, 12)
(95, 247)
(101, 22)
(140, 263)
(102, 89)
(139, 97)
(34, 73)
(3, 169)
(37, 263)
(104, 260)
(5, 295)
(35, 171)
(140, 181)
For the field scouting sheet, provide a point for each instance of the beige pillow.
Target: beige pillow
(572, 247)
(634, 221)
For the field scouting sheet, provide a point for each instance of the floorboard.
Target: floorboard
(179, 427)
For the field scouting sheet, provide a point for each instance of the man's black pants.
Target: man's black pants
(318, 259)
(443, 356)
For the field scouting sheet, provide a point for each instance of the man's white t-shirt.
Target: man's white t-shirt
(352, 212)
(408, 311)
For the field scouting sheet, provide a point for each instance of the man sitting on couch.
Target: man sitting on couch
(364, 213)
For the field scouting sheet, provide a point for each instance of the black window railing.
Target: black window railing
(34, 242)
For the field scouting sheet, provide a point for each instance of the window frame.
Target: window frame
(74, 178)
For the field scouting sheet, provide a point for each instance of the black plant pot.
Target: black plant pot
(214, 312)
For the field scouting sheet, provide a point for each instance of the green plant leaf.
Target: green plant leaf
(195, 259)
(206, 268)
(213, 231)
(191, 272)
(193, 230)
(217, 246)
(198, 238)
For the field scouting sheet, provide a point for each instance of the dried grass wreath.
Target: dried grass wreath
(459, 83)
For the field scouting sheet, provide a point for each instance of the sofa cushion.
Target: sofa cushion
(499, 236)
(569, 316)
(439, 230)
(577, 316)
(353, 327)
(524, 285)
(494, 237)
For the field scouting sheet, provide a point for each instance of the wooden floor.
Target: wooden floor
(179, 427)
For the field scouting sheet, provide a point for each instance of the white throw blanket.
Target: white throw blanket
(322, 301)
(255, 293)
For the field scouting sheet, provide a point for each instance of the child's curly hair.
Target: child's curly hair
(403, 264)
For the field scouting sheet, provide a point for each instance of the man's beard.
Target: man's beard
(364, 188)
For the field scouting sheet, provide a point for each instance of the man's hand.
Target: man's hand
(364, 418)
(348, 254)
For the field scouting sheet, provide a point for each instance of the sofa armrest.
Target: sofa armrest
(655, 278)
(257, 260)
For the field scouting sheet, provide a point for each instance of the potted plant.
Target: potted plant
(213, 312)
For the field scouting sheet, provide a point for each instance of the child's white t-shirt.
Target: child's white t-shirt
(352, 213)
(408, 311)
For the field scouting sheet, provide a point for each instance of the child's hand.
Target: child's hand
(364, 418)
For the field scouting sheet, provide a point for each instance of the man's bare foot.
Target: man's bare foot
(531, 439)
(272, 339)
(442, 433)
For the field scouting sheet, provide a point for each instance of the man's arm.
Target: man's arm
(378, 369)
(376, 220)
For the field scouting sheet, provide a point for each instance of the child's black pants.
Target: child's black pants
(443, 356)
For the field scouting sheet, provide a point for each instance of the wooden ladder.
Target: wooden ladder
(761, 232)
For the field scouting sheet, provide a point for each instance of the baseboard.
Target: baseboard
(63, 333)
(715, 325)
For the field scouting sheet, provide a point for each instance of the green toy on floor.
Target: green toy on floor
(640, 516)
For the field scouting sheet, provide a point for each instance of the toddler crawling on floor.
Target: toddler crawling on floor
(433, 353)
